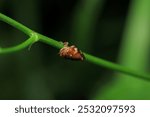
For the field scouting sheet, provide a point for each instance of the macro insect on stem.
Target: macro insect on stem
(71, 52)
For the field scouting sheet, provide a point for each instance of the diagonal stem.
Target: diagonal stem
(15, 24)
(34, 37)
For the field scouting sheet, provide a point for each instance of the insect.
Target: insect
(71, 52)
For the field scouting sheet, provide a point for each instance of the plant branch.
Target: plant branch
(116, 67)
(23, 45)
(15, 24)
(50, 41)
(34, 37)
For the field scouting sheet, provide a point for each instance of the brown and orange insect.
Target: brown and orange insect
(71, 52)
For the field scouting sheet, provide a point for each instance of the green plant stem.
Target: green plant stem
(50, 41)
(34, 37)
(15, 24)
(21, 46)
(116, 67)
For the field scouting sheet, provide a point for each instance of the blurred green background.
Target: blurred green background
(115, 30)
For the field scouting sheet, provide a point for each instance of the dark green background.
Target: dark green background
(105, 28)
